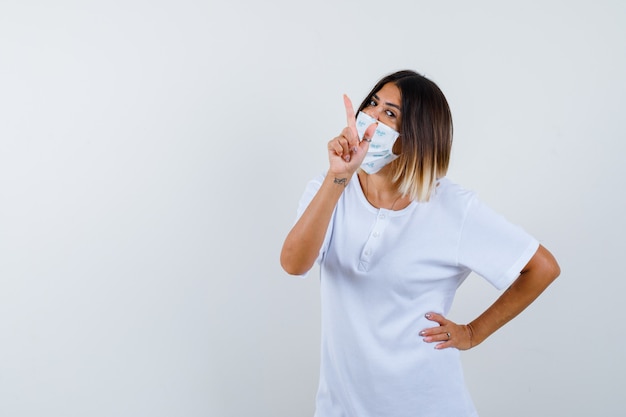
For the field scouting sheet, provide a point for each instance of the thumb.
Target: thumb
(368, 135)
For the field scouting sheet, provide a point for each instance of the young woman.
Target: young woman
(395, 238)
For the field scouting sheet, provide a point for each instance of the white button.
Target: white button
(381, 216)
(376, 234)
(368, 252)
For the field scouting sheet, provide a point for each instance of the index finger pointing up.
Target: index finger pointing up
(350, 113)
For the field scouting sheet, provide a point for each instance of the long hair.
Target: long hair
(425, 141)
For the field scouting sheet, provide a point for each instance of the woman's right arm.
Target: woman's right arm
(305, 239)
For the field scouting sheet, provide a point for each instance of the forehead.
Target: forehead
(390, 93)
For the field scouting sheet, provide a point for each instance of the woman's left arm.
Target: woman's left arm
(540, 271)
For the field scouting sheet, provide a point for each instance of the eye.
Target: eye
(372, 103)
(390, 113)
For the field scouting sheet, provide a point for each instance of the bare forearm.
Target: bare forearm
(305, 239)
(533, 280)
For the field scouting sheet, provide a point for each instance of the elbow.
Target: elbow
(295, 272)
(550, 265)
(555, 269)
(296, 258)
(292, 267)
(543, 266)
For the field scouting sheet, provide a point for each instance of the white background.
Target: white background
(152, 154)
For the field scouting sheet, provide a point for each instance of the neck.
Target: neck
(381, 192)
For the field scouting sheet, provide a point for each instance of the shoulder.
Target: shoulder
(452, 196)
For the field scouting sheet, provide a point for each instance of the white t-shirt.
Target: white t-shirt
(380, 272)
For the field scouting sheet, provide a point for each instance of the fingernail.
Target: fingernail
(422, 333)
(347, 158)
(427, 315)
(354, 149)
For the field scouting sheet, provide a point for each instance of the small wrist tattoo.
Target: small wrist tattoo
(341, 181)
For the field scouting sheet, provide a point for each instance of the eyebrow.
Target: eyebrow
(387, 103)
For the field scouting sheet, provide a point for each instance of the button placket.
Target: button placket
(374, 239)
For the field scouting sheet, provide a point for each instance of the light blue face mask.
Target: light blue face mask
(380, 152)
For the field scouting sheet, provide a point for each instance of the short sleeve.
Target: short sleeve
(493, 247)
(310, 191)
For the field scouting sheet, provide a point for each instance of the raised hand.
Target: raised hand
(346, 152)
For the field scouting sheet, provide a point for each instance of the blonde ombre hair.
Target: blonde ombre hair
(425, 141)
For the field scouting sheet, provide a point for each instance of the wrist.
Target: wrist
(470, 331)
(340, 179)
(476, 338)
